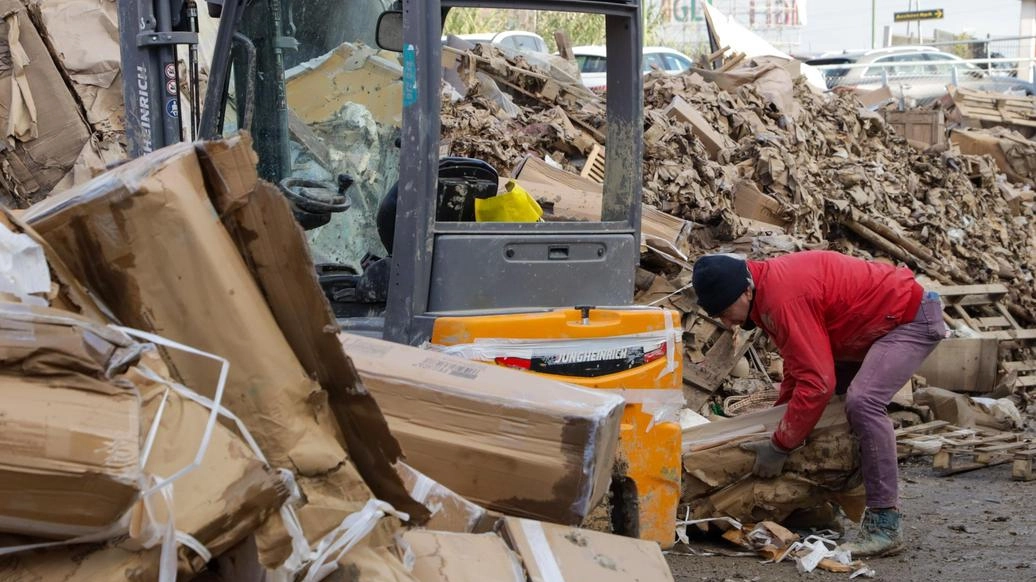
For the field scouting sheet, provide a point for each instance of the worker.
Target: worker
(842, 325)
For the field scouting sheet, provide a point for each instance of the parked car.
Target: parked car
(914, 72)
(593, 63)
(519, 40)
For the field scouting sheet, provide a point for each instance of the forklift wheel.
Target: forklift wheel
(625, 507)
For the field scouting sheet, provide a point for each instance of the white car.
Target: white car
(519, 40)
(593, 62)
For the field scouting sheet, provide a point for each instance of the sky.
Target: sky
(846, 24)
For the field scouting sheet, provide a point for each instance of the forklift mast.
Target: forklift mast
(151, 74)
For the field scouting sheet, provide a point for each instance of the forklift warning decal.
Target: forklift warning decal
(409, 75)
(591, 357)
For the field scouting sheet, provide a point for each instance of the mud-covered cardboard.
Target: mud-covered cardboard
(458, 557)
(449, 511)
(146, 240)
(225, 497)
(69, 452)
(510, 441)
(552, 552)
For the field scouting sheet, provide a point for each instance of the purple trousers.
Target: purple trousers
(889, 363)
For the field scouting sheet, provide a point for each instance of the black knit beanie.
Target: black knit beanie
(718, 281)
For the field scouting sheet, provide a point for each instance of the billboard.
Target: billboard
(755, 14)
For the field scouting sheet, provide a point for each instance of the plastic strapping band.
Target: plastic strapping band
(170, 536)
(422, 488)
(210, 424)
(353, 528)
(670, 345)
(542, 555)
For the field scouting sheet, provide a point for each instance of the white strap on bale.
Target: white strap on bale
(322, 559)
(156, 532)
(542, 555)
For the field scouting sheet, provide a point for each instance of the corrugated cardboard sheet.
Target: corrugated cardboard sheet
(69, 452)
(555, 553)
(44, 131)
(511, 441)
(450, 512)
(281, 265)
(458, 557)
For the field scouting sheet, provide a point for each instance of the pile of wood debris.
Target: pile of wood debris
(839, 175)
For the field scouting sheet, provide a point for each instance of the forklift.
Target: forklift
(551, 298)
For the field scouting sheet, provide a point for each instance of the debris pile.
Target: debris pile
(840, 176)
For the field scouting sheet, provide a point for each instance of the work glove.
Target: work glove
(769, 458)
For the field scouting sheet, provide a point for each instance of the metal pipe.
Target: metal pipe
(193, 71)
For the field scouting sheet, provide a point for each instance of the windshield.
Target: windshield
(341, 105)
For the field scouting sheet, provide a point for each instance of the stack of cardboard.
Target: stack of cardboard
(100, 445)
(188, 244)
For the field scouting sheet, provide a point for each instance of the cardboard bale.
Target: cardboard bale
(220, 502)
(555, 552)
(715, 467)
(45, 129)
(449, 511)
(69, 451)
(145, 238)
(459, 557)
(508, 440)
(169, 238)
(67, 27)
(81, 563)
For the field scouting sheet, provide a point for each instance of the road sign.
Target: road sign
(934, 14)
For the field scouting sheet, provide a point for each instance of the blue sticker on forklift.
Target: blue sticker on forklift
(409, 75)
(172, 109)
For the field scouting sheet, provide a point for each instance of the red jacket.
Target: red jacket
(819, 307)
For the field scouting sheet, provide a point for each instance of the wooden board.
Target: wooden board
(924, 126)
(963, 364)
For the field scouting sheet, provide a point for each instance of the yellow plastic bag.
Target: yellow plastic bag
(516, 205)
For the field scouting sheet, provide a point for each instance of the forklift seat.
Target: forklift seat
(460, 182)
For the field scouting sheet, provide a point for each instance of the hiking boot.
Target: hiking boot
(881, 535)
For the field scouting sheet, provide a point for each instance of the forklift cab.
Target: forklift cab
(439, 261)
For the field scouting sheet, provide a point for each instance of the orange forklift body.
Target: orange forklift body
(633, 349)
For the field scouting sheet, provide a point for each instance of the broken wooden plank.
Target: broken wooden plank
(310, 141)
(927, 427)
(594, 166)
